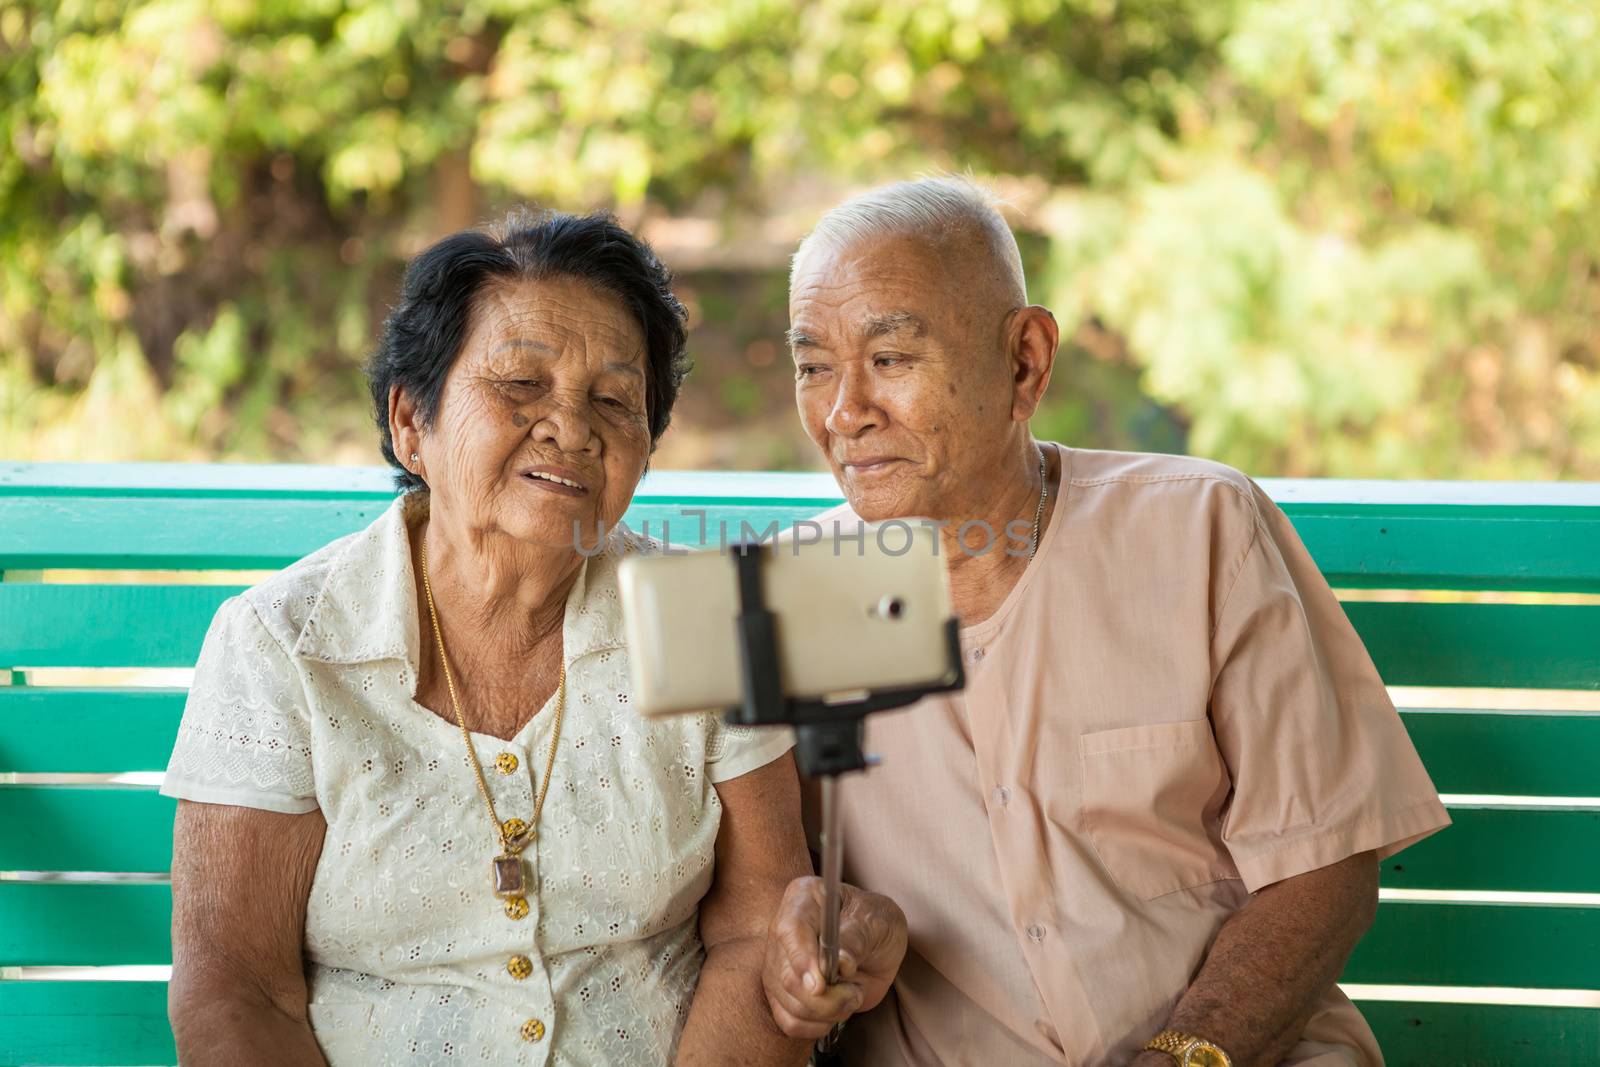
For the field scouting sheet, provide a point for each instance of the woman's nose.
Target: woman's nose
(567, 425)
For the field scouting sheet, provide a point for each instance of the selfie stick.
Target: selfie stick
(828, 736)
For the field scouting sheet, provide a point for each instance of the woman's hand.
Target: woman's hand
(872, 942)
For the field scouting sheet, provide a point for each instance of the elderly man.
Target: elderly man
(1148, 831)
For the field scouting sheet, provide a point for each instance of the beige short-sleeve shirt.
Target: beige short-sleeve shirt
(1168, 712)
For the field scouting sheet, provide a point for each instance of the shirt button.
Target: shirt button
(1035, 933)
(1001, 796)
(975, 655)
(519, 967)
(533, 1030)
(506, 763)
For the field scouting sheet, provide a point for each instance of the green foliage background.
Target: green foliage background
(1355, 238)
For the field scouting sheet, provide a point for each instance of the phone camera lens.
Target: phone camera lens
(890, 607)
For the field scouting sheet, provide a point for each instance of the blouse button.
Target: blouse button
(517, 907)
(519, 967)
(533, 1030)
(506, 763)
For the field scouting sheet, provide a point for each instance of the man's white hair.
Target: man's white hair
(937, 210)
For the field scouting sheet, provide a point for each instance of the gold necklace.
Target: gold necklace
(509, 870)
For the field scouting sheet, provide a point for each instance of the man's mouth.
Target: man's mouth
(869, 465)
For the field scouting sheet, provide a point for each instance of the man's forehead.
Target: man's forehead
(891, 279)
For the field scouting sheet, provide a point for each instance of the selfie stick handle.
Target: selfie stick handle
(832, 862)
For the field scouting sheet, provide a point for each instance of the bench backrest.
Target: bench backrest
(1487, 945)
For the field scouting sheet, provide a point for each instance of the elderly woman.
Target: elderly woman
(419, 820)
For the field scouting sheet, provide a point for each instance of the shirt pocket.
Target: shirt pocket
(1152, 797)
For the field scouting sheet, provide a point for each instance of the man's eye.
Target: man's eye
(807, 371)
(887, 361)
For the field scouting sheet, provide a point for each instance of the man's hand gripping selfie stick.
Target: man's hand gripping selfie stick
(827, 735)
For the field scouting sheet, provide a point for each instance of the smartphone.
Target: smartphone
(851, 618)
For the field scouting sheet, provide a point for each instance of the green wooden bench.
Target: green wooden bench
(1507, 900)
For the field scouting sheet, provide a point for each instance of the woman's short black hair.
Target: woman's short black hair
(423, 334)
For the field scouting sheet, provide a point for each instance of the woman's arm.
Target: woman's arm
(240, 882)
(760, 849)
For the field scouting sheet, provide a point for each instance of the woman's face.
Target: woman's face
(542, 423)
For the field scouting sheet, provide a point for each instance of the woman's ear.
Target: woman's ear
(404, 430)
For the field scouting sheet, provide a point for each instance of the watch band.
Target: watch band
(1177, 1044)
(1171, 1042)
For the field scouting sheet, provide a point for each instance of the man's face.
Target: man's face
(900, 377)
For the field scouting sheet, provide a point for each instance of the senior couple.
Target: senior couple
(420, 822)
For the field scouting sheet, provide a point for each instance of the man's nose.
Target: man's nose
(853, 409)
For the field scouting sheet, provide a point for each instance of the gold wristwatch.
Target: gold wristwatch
(1188, 1050)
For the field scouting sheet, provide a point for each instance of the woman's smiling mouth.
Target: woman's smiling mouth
(555, 480)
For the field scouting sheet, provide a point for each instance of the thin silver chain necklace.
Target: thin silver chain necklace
(1038, 512)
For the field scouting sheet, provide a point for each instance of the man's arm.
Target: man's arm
(1273, 960)
(760, 849)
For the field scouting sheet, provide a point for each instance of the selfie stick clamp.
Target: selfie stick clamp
(828, 736)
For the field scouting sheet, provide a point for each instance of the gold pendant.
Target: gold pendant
(510, 877)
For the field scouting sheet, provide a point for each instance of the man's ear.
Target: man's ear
(1032, 342)
(404, 429)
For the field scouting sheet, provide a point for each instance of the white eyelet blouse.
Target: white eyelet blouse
(303, 699)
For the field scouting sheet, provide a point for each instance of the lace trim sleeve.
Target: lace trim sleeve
(245, 737)
(735, 750)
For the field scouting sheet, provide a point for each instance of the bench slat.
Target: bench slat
(1516, 646)
(1500, 849)
(63, 828)
(89, 731)
(76, 828)
(1483, 1035)
(1510, 753)
(106, 625)
(1549, 550)
(154, 533)
(300, 480)
(84, 925)
(124, 1023)
(1543, 646)
(47, 729)
(1534, 947)
(81, 1023)
(245, 517)
(151, 533)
